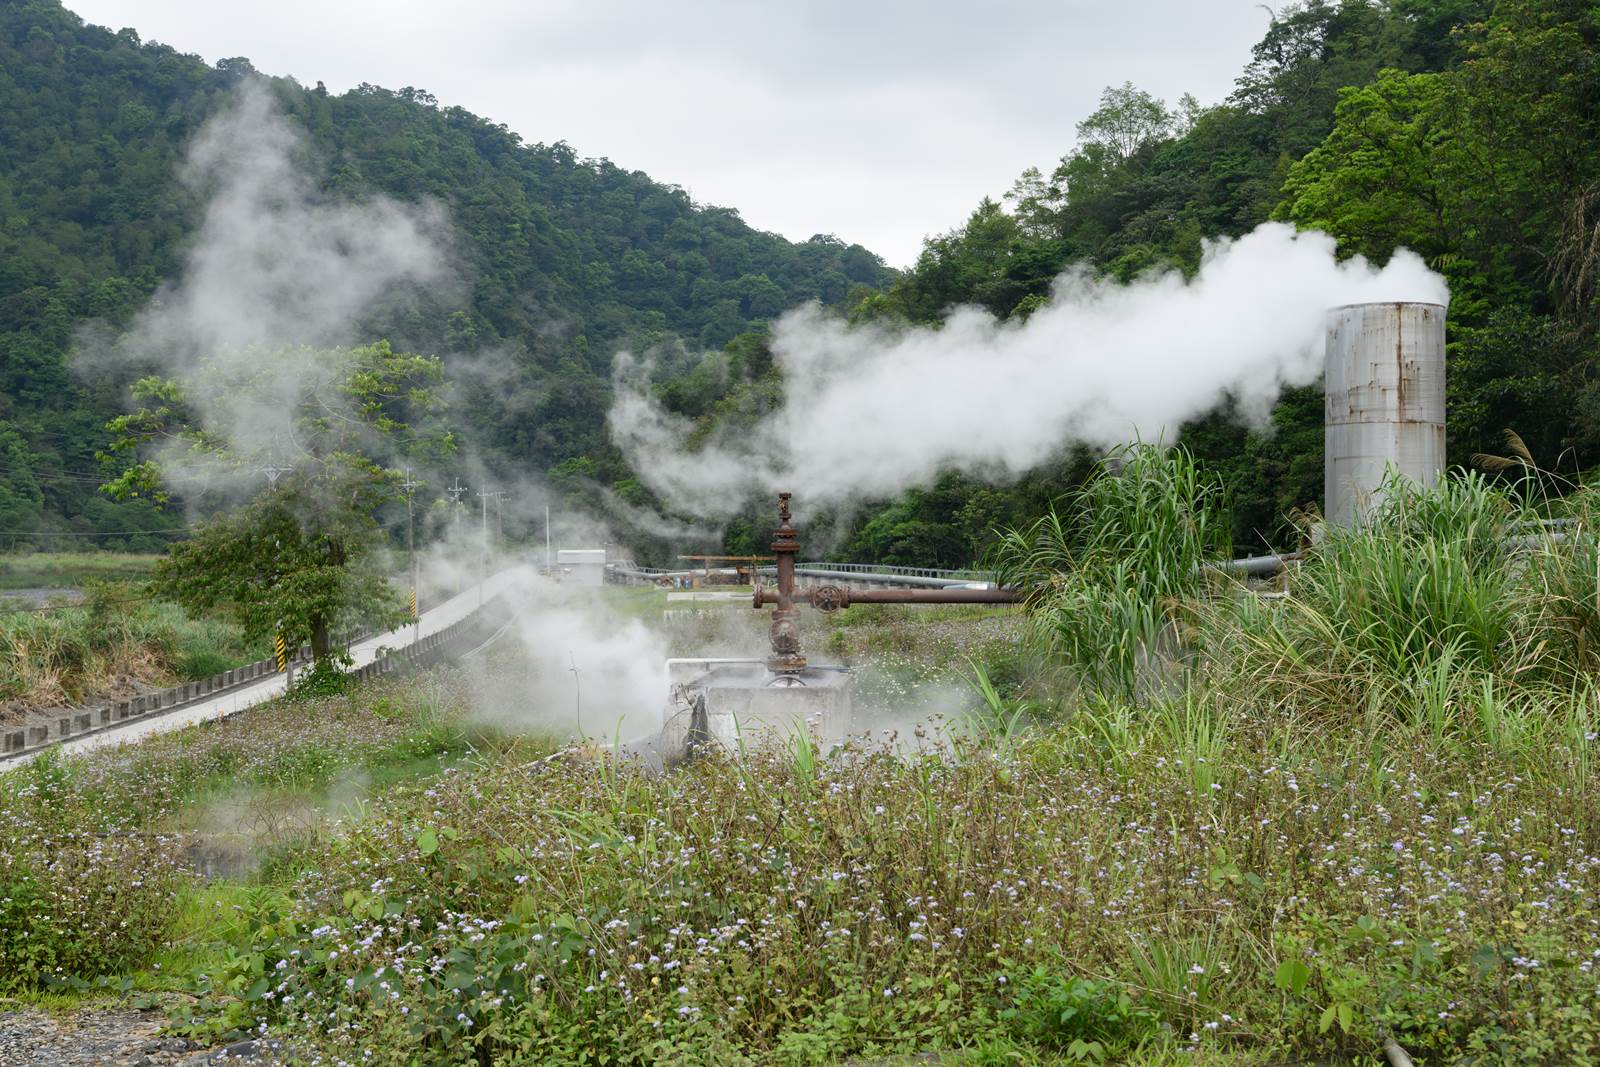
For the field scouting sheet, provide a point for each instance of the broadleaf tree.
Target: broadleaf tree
(318, 437)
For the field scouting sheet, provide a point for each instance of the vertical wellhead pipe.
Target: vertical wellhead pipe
(1385, 402)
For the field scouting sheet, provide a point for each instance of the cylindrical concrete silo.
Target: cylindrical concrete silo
(1385, 402)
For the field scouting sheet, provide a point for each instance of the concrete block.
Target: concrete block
(38, 735)
(64, 726)
(14, 741)
(120, 711)
(81, 722)
(746, 704)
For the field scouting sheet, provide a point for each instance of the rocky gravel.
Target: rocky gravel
(91, 1037)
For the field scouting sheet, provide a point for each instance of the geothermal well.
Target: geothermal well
(1385, 402)
(734, 702)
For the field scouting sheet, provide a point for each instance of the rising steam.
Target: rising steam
(277, 274)
(870, 411)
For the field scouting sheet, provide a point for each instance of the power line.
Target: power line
(93, 533)
(56, 476)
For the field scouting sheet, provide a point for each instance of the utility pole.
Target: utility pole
(483, 569)
(273, 473)
(409, 488)
(577, 692)
(483, 551)
(456, 507)
(549, 562)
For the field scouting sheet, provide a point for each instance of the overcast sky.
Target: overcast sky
(880, 121)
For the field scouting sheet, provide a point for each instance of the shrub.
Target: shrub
(1085, 1020)
(82, 892)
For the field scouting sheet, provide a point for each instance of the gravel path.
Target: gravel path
(92, 1037)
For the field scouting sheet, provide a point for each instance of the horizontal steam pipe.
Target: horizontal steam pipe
(832, 597)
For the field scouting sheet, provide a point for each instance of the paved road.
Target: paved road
(222, 705)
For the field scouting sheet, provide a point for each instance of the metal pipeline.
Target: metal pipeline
(834, 597)
(787, 658)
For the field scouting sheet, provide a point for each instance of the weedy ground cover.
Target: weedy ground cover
(116, 639)
(54, 570)
(1193, 885)
(1280, 830)
(102, 854)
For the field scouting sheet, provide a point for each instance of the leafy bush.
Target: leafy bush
(324, 679)
(1086, 1020)
(82, 891)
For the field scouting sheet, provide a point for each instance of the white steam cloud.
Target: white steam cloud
(572, 665)
(871, 411)
(277, 274)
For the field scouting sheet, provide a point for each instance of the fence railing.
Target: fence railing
(79, 722)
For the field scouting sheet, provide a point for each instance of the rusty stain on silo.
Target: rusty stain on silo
(1385, 401)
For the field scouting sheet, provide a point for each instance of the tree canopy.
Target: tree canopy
(296, 452)
(1465, 130)
(564, 259)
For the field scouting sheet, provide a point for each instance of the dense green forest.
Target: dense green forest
(567, 258)
(1466, 130)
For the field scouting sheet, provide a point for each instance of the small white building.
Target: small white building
(581, 566)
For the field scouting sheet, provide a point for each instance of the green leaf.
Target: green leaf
(1328, 1015)
(1292, 976)
(427, 842)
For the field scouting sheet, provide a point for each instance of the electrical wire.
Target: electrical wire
(93, 533)
(55, 476)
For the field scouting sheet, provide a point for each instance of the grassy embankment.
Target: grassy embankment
(71, 570)
(115, 639)
(1213, 828)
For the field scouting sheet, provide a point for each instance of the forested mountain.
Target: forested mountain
(1467, 130)
(566, 258)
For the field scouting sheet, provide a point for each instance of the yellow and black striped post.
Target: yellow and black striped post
(413, 603)
(282, 651)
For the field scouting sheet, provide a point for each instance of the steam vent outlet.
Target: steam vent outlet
(1385, 402)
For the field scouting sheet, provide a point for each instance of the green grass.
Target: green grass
(1369, 810)
(266, 791)
(115, 638)
(72, 569)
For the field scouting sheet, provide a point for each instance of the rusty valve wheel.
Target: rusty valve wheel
(830, 597)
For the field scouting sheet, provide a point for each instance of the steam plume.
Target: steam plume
(278, 272)
(871, 411)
